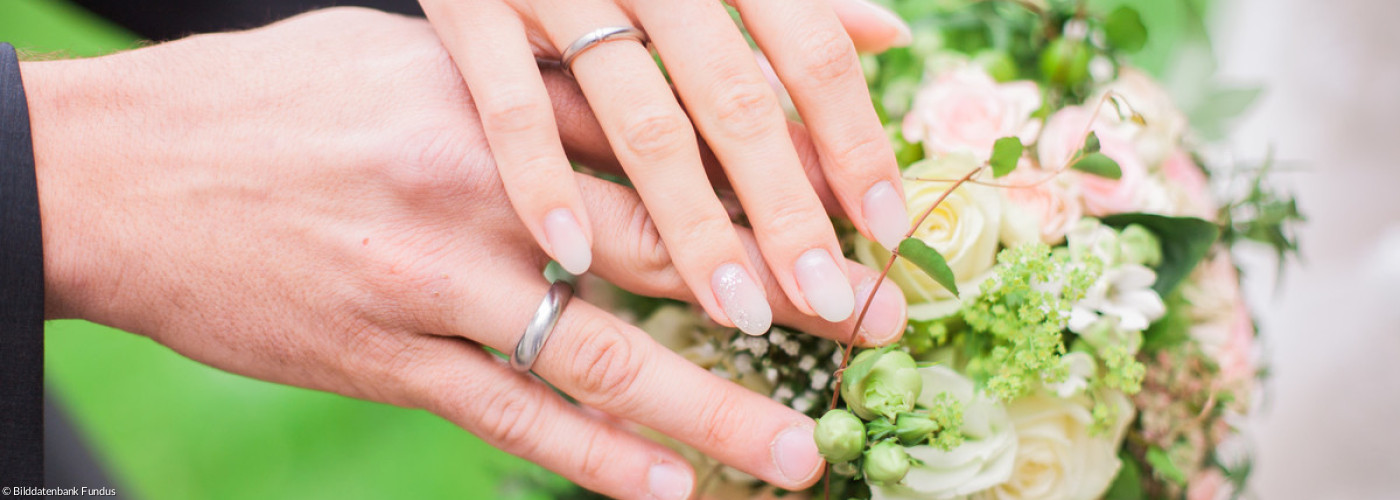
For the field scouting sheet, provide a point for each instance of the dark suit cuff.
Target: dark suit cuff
(21, 288)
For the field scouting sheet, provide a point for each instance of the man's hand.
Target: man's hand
(313, 203)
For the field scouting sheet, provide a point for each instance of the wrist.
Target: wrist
(64, 109)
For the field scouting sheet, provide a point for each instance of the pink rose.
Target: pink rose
(1209, 484)
(1065, 133)
(1052, 204)
(1236, 357)
(1189, 184)
(965, 110)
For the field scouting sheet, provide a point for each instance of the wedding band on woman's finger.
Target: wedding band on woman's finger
(531, 342)
(595, 37)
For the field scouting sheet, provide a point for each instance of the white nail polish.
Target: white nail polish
(885, 214)
(742, 299)
(567, 242)
(905, 37)
(824, 285)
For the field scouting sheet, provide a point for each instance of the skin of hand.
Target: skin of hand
(721, 93)
(314, 203)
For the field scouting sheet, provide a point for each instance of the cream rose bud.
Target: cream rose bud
(1049, 207)
(840, 436)
(984, 459)
(964, 110)
(965, 228)
(1058, 456)
(1164, 123)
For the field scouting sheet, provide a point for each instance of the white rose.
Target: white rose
(983, 461)
(965, 111)
(1058, 457)
(965, 228)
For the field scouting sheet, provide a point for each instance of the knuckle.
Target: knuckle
(512, 420)
(720, 421)
(601, 363)
(654, 133)
(650, 256)
(595, 455)
(830, 56)
(745, 105)
(791, 213)
(859, 150)
(513, 112)
(435, 161)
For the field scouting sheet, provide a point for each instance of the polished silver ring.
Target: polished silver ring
(537, 332)
(595, 37)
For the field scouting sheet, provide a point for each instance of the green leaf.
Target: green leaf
(1162, 464)
(1124, 29)
(1091, 143)
(1219, 108)
(1099, 164)
(930, 261)
(1185, 241)
(1174, 327)
(1128, 484)
(1005, 153)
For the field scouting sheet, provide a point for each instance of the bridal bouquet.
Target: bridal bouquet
(1076, 324)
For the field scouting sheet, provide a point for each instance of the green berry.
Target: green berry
(886, 463)
(840, 436)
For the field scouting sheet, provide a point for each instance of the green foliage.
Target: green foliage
(930, 262)
(1264, 215)
(1124, 29)
(1017, 320)
(1006, 152)
(1212, 116)
(1098, 164)
(1128, 484)
(1185, 241)
(1172, 329)
(1065, 62)
(1163, 466)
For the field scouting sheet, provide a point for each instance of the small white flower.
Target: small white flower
(1124, 294)
(1081, 367)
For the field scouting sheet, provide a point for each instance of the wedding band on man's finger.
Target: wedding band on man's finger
(532, 340)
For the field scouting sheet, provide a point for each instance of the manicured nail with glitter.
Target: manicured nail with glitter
(667, 481)
(567, 241)
(824, 285)
(742, 299)
(885, 215)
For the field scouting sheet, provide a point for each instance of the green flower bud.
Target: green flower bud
(997, 63)
(892, 386)
(886, 463)
(914, 430)
(840, 436)
(1139, 246)
(1065, 62)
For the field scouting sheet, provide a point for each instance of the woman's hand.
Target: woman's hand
(314, 203)
(727, 98)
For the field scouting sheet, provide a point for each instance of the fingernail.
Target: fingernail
(885, 214)
(567, 242)
(889, 17)
(667, 481)
(795, 454)
(824, 285)
(885, 320)
(742, 299)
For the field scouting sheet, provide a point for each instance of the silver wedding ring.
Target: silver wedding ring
(537, 332)
(595, 37)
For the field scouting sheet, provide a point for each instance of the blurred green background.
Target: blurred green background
(166, 427)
